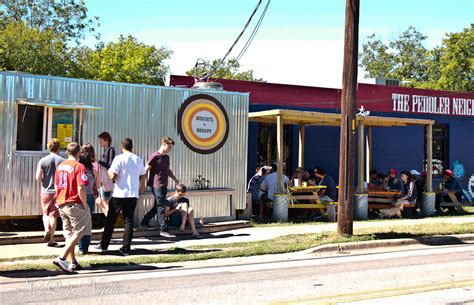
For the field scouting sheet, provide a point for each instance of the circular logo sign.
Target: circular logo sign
(203, 124)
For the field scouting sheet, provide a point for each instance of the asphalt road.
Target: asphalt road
(425, 275)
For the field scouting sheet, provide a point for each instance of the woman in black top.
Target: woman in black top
(105, 161)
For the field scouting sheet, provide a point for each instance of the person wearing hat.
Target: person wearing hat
(420, 181)
(449, 183)
(393, 183)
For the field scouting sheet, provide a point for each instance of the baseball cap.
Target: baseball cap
(415, 172)
(392, 171)
(448, 172)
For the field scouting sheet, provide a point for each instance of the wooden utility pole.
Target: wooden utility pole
(348, 122)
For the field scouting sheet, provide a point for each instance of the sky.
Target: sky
(300, 42)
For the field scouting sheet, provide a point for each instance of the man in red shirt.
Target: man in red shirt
(71, 200)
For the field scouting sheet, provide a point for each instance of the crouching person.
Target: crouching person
(180, 204)
(70, 183)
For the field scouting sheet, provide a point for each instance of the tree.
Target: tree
(66, 17)
(31, 50)
(226, 70)
(403, 58)
(446, 67)
(456, 62)
(130, 61)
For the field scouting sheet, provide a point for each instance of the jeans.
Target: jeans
(127, 206)
(86, 239)
(159, 207)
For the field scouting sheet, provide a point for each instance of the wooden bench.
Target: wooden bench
(455, 202)
(383, 200)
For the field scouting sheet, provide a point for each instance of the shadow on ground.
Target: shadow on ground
(425, 240)
(41, 273)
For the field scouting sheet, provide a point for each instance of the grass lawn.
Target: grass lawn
(283, 244)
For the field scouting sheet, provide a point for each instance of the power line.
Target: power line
(247, 44)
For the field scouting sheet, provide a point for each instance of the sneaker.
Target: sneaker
(197, 236)
(99, 248)
(166, 234)
(123, 252)
(75, 266)
(52, 244)
(62, 264)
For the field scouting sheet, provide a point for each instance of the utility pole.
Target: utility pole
(348, 120)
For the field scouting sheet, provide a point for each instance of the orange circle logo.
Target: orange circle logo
(203, 124)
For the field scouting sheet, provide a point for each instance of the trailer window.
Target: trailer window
(30, 127)
(37, 124)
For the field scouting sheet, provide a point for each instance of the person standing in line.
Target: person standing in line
(159, 166)
(45, 175)
(71, 198)
(129, 174)
(107, 185)
(87, 158)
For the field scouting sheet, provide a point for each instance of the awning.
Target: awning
(56, 104)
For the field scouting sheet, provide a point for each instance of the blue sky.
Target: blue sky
(299, 42)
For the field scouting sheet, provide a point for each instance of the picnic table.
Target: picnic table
(300, 194)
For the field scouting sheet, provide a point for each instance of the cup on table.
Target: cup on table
(297, 182)
(305, 184)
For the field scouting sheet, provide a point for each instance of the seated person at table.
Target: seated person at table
(408, 195)
(449, 183)
(378, 184)
(328, 194)
(269, 187)
(179, 205)
(313, 179)
(393, 183)
(373, 177)
(298, 174)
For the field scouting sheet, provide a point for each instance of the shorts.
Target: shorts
(76, 220)
(48, 205)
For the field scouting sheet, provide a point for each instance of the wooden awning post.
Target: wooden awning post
(429, 155)
(301, 146)
(368, 153)
(280, 151)
(360, 157)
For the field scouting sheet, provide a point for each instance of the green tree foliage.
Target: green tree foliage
(226, 70)
(65, 17)
(455, 61)
(130, 61)
(31, 50)
(447, 67)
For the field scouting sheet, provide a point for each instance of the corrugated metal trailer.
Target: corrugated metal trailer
(33, 108)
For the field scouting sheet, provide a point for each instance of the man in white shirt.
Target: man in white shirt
(269, 187)
(128, 172)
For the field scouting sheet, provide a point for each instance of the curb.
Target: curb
(436, 240)
(137, 232)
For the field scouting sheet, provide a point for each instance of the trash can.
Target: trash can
(280, 207)
(428, 206)
(361, 206)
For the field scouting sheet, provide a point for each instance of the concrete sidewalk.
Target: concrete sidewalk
(248, 234)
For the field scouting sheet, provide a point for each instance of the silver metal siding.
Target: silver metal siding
(143, 113)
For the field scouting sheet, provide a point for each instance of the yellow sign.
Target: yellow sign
(64, 134)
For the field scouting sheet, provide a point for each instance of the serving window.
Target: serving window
(40, 120)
